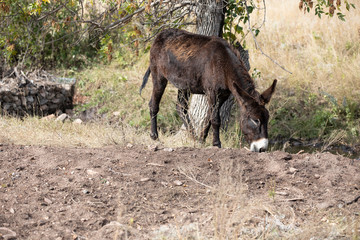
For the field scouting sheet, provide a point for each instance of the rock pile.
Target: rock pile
(36, 93)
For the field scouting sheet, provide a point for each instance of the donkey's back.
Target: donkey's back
(192, 62)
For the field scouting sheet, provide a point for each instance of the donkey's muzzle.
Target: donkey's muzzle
(259, 145)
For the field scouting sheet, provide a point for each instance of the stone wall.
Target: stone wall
(37, 93)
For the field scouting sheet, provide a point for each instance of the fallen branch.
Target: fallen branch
(194, 180)
(155, 164)
(354, 200)
(292, 200)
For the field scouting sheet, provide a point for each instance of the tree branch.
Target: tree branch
(130, 16)
(254, 37)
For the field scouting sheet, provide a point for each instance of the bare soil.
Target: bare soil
(141, 192)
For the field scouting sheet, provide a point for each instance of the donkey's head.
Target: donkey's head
(254, 116)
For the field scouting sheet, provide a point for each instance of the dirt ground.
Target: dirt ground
(142, 192)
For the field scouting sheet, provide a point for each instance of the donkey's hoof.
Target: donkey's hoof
(217, 144)
(153, 136)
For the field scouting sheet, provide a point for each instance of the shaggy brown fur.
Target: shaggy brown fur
(205, 65)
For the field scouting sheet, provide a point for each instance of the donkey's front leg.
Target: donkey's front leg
(215, 119)
(215, 124)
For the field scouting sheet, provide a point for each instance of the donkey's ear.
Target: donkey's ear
(266, 95)
(241, 95)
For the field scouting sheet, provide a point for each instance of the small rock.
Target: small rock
(91, 172)
(293, 170)
(178, 183)
(42, 222)
(48, 201)
(168, 149)
(77, 121)
(12, 210)
(116, 113)
(324, 205)
(61, 118)
(7, 234)
(282, 193)
(144, 179)
(317, 176)
(153, 148)
(129, 145)
(48, 117)
(85, 191)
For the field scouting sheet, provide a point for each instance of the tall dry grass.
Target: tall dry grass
(322, 54)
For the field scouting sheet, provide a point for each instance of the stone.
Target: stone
(48, 117)
(77, 121)
(7, 234)
(61, 118)
(144, 179)
(57, 100)
(168, 149)
(178, 183)
(30, 99)
(153, 148)
(44, 108)
(91, 172)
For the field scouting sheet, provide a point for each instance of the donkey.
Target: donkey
(200, 64)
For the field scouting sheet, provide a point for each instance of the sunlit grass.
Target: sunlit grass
(322, 54)
(320, 97)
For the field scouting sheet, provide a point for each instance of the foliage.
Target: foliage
(237, 17)
(321, 5)
(41, 33)
(48, 33)
(315, 117)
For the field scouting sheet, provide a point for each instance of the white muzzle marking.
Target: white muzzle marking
(262, 144)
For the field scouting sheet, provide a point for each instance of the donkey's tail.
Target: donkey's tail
(145, 80)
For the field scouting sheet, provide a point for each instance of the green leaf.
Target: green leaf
(238, 29)
(250, 9)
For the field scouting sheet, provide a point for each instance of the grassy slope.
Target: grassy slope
(320, 99)
(323, 56)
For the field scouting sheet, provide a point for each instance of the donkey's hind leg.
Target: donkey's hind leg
(159, 85)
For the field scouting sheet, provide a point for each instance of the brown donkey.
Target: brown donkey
(207, 65)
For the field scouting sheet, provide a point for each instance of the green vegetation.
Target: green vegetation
(319, 101)
(313, 116)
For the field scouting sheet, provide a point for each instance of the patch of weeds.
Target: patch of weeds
(316, 116)
(272, 190)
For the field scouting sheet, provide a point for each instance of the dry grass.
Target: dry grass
(36, 131)
(236, 214)
(322, 54)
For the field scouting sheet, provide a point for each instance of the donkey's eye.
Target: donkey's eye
(254, 122)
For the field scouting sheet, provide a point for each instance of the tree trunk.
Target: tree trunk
(210, 17)
(209, 22)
